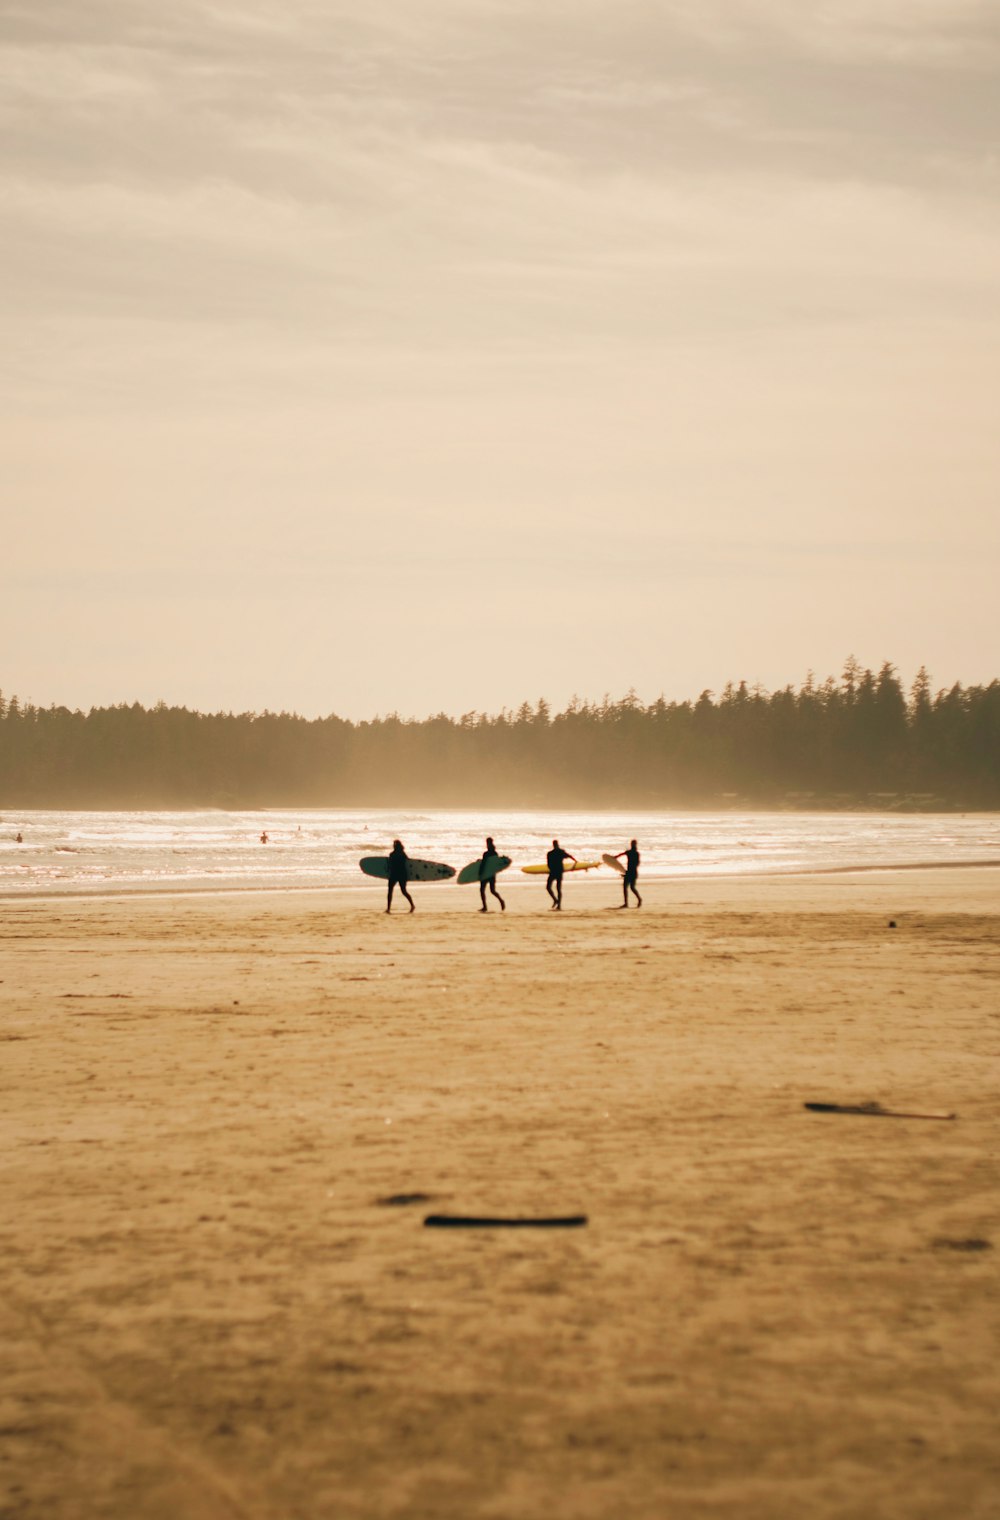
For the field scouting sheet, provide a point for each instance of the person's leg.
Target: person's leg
(482, 896)
(559, 891)
(548, 888)
(405, 891)
(496, 894)
(388, 906)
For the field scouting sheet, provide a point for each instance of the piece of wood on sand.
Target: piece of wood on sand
(487, 1222)
(876, 1111)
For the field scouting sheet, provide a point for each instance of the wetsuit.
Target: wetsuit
(490, 853)
(630, 877)
(399, 875)
(554, 860)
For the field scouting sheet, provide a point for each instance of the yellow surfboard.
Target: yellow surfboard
(578, 865)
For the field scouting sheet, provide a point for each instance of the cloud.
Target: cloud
(272, 94)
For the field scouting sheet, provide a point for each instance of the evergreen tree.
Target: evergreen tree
(847, 742)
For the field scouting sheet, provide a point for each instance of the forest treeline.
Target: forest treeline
(856, 740)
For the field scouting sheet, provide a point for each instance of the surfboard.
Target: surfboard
(580, 865)
(491, 868)
(616, 865)
(417, 870)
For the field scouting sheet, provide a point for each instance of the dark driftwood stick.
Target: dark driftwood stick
(873, 1111)
(475, 1222)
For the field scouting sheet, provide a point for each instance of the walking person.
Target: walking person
(555, 860)
(631, 859)
(399, 874)
(489, 881)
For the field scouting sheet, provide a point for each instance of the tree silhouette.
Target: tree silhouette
(853, 742)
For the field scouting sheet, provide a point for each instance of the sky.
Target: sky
(433, 355)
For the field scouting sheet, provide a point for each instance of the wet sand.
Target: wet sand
(215, 1300)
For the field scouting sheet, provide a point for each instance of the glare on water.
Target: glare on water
(88, 852)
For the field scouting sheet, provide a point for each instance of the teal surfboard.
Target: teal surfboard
(490, 868)
(416, 870)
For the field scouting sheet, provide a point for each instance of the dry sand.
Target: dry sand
(209, 1309)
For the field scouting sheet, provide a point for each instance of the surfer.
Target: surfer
(631, 859)
(264, 838)
(399, 874)
(490, 853)
(554, 860)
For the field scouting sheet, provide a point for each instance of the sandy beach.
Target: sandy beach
(225, 1118)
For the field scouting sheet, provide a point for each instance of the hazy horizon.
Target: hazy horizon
(361, 361)
(862, 740)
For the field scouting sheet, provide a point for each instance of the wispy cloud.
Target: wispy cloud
(341, 283)
(296, 133)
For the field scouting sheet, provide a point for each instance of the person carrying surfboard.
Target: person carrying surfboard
(555, 861)
(489, 880)
(631, 859)
(399, 874)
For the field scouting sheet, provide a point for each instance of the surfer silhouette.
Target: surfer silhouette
(489, 853)
(399, 874)
(555, 860)
(631, 859)
(264, 838)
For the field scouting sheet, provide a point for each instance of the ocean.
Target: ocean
(77, 853)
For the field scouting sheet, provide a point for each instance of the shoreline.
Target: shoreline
(78, 894)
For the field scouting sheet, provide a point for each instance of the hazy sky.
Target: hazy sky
(364, 355)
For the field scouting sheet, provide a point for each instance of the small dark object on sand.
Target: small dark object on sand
(892, 923)
(475, 1222)
(400, 1200)
(974, 1243)
(876, 1111)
